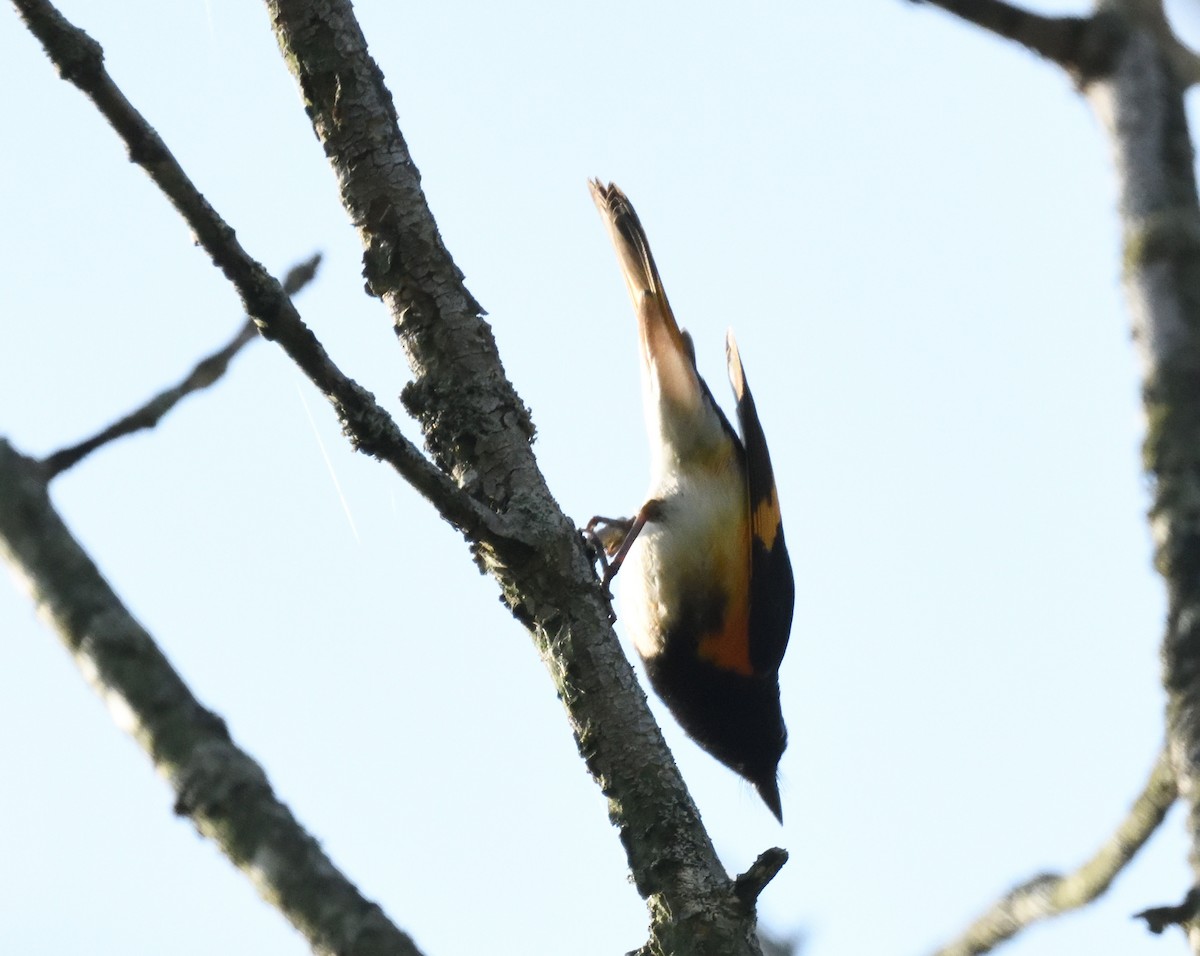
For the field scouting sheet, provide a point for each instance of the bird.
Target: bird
(706, 585)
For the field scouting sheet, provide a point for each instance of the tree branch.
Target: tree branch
(1083, 46)
(217, 785)
(478, 431)
(477, 428)
(207, 372)
(1158, 918)
(1051, 894)
(1141, 105)
(1135, 78)
(80, 60)
(762, 871)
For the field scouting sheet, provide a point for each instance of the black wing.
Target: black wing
(772, 588)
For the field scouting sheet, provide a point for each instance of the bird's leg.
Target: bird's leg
(632, 529)
(606, 537)
(615, 536)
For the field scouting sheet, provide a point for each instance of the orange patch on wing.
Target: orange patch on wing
(729, 647)
(766, 520)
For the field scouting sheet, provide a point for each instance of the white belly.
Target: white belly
(702, 541)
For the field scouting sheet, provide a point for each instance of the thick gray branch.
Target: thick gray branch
(224, 792)
(1051, 894)
(1141, 105)
(478, 429)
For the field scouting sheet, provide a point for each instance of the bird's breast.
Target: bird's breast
(686, 580)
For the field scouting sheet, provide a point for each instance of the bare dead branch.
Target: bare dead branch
(1055, 38)
(1083, 46)
(762, 871)
(224, 792)
(369, 427)
(1051, 894)
(206, 373)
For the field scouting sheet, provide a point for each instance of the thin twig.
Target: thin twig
(207, 372)
(224, 792)
(80, 60)
(1051, 894)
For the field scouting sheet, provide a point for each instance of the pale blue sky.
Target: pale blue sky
(910, 227)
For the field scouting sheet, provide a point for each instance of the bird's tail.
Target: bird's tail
(666, 350)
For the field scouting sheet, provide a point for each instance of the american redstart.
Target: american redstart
(706, 582)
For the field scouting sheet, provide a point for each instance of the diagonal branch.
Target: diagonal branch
(1052, 894)
(477, 429)
(476, 426)
(217, 785)
(80, 60)
(207, 372)
(1080, 45)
